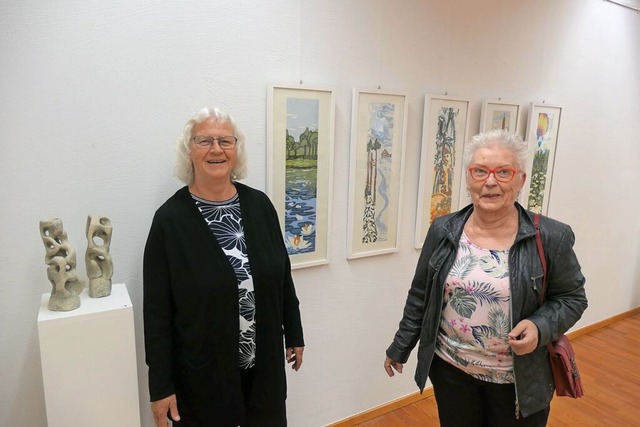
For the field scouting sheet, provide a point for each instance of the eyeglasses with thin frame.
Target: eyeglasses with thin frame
(480, 173)
(206, 142)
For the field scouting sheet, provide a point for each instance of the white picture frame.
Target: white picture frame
(378, 138)
(498, 114)
(300, 139)
(444, 132)
(543, 129)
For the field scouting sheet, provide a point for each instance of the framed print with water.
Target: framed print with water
(542, 136)
(500, 115)
(444, 131)
(378, 134)
(300, 130)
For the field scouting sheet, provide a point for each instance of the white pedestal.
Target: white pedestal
(89, 362)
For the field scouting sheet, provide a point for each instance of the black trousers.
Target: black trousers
(464, 401)
(247, 377)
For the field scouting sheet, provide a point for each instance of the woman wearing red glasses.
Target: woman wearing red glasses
(474, 302)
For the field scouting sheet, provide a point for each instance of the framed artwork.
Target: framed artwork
(300, 129)
(378, 134)
(542, 136)
(500, 115)
(444, 132)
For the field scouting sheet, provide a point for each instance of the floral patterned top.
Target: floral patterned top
(225, 221)
(476, 317)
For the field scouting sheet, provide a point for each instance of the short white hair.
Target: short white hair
(509, 140)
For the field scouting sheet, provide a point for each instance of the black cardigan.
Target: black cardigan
(191, 314)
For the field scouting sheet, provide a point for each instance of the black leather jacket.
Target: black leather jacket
(563, 306)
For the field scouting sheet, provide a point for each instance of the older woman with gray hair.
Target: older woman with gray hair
(475, 305)
(218, 294)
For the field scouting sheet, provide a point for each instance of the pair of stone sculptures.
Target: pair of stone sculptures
(61, 260)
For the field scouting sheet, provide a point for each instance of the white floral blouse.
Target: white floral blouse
(225, 222)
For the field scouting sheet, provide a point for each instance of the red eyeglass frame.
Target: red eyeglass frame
(493, 171)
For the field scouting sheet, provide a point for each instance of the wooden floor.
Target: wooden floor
(609, 362)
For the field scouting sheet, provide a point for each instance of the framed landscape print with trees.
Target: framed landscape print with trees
(300, 133)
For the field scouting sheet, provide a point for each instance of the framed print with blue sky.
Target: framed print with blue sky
(300, 133)
(500, 115)
(542, 136)
(444, 132)
(378, 134)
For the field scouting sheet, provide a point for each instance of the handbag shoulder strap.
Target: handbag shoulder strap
(543, 260)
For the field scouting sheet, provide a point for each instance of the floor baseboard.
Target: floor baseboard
(383, 409)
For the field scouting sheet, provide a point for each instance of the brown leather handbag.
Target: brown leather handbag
(563, 359)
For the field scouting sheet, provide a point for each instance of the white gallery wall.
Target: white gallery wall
(93, 95)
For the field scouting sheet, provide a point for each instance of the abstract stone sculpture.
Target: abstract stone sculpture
(61, 259)
(97, 258)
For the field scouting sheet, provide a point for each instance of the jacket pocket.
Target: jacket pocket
(536, 287)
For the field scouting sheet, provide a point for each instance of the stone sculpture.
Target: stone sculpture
(97, 258)
(61, 259)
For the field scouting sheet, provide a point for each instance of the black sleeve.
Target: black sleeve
(292, 323)
(158, 314)
(565, 299)
(411, 323)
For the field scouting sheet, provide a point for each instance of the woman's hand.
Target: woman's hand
(162, 407)
(523, 339)
(390, 363)
(294, 354)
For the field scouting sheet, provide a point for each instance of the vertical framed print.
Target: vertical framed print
(444, 132)
(300, 133)
(542, 136)
(378, 134)
(500, 115)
